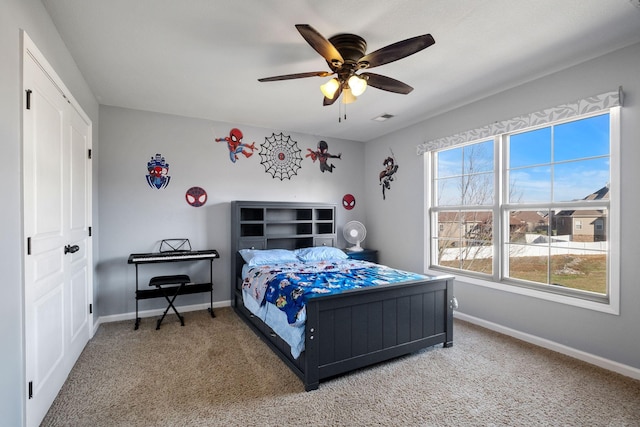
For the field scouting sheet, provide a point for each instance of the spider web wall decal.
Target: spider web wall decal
(280, 156)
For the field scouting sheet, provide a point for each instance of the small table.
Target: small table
(370, 255)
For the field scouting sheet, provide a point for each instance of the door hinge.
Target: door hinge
(28, 98)
(89, 153)
(90, 308)
(28, 245)
(30, 389)
(90, 231)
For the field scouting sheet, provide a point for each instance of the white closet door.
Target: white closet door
(78, 271)
(57, 211)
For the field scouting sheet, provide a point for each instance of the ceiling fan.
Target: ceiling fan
(345, 55)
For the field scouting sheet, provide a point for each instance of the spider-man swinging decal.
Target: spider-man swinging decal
(322, 155)
(236, 146)
(386, 176)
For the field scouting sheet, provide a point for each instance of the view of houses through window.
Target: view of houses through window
(530, 208)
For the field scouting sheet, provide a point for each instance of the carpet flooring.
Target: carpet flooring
(217, 372)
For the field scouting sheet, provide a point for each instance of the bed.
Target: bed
(339, 332)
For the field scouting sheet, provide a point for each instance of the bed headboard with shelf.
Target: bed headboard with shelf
(279, 225)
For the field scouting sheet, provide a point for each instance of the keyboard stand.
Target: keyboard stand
(161, 282)
(190, 288)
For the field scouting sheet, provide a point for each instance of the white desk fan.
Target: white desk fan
(354, 233)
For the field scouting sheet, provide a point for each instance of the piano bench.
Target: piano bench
(170, 293)
(182, 279)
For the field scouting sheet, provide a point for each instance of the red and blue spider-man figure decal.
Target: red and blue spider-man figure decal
(236, 146)
(158, 169)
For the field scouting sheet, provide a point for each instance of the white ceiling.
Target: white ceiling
(202, 58)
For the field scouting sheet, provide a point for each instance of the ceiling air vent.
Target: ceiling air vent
(382, 117)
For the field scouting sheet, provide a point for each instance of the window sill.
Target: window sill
(612, 307)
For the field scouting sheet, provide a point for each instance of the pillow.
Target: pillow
(267, 256)
(320, 253)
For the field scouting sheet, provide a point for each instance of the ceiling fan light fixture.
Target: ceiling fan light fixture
(348, 97)
(329, 88)
(357, 85)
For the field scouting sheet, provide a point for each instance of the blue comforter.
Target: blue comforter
(289, 286)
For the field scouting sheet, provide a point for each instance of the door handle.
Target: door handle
(71, 249)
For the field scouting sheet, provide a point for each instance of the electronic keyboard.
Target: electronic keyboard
(172, 256)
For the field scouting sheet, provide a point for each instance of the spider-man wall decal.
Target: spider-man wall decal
(348, 201)
(236, 146)
(196, 196)
(158, 169)
(386, 176)
(322, 155)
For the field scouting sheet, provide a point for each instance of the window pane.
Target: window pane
(530, 185)
(581, 270)
(582, 227)
(482, 264)
(465, 240)
(528, 227)
(582, 138)
(529, 262)
(449, 163)
(574, 256)
(449, 253)
(477, 227)
(580, 179)
(478, 158)
(530, 148)
(477, 189)
(449, 226)
(449, 192)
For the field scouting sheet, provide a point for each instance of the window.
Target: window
(530, 209)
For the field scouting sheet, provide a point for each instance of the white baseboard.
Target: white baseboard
(156, 312)
(610, 365)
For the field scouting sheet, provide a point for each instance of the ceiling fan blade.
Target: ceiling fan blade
(296, 76)
(321, 44)
(330, 101)
(386, 83)
(396, 51)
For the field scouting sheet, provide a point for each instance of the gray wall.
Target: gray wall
(134, 217)
(31, 16)
(398, 222)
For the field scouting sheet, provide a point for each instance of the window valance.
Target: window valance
(572, 109)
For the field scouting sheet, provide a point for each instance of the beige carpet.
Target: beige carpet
(216, 372)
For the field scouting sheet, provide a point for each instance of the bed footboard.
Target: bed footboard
(353, 330)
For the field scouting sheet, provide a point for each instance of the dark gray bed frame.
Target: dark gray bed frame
(347, 331)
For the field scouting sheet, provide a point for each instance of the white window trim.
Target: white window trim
(612, 306)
